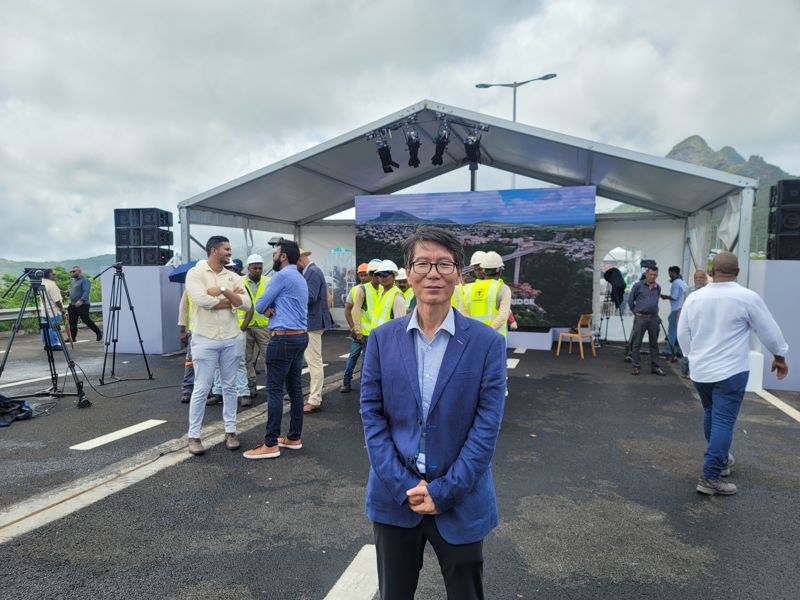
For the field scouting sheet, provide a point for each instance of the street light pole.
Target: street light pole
(514, 85)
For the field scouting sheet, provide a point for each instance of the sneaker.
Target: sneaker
(658, 371)
(636, 370)
(309, 408)
(213, 399)
(715, 486)
(290, 444)
(245, 401)
(196, 447)
(99, 337)
(263, 451)
(345, 389)
(726, 470)
(186, 398)
(231, 441)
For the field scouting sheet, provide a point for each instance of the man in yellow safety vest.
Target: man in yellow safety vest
(256, 331)
(489, 300)
(365, 297)
(391, 304)
(408, 293)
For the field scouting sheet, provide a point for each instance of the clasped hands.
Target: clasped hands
(420, 501)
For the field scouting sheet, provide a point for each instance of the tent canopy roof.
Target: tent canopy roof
(322, 181)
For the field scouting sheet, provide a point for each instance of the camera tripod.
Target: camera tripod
(607, 311)
(44, 314)
(118, 283)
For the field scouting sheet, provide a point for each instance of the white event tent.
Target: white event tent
(294, 196)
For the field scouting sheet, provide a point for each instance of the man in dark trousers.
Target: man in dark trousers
(432, 389)
(319, 319)
(79, 306)
(285, 302)
(643, 302)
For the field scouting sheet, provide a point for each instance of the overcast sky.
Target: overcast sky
(107, 104)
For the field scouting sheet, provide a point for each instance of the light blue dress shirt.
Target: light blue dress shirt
(288, 293)
(677, 294)
(430, 354)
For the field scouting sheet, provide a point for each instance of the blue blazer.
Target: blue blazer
(319, 317)
(461, 430)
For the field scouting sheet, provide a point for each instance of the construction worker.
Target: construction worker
(408, 294)
(256, 331)
(365, 297)
(459, 299)
(475, 263)
(391, 304)
(185, 333)
(489, 300)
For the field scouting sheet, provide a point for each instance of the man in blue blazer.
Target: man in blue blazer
(432, 393)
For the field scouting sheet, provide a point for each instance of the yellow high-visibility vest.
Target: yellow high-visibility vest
(189, 313)
(461, 291)
(409, 296)
(371, 296)
(482, 302)
(258, 319)
(383, 308)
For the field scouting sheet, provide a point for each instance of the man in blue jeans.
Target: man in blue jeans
(714, 330)
(676, 296)
(285, 302)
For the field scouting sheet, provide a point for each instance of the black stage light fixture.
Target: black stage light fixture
(385, 154)
(442, 139)
(413, 143)
(472, 146)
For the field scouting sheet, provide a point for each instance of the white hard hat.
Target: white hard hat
(401, 275)
(387, 266)
(492, 260)
(254, 258)
(477, 258)
(373, 265)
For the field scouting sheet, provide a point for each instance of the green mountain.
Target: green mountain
(90, 266)
(695, 150)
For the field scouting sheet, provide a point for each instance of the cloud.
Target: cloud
(106, 104)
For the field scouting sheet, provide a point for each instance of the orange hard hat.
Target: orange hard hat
(362, 268)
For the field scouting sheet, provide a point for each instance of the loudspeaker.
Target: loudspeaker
(129, 256)
(155, 256)
(127, 217)
(152, 236)
(784, 247)
(784, 219)
(787, 193)
(154, 217)
(128, 237)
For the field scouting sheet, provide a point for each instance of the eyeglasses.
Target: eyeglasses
(424, 267)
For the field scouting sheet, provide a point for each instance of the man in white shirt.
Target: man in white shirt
(714, 330)
(54, 310)
(215, 293)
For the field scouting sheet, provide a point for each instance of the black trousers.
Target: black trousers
(400, 552)
(83, 312)
(640, 326)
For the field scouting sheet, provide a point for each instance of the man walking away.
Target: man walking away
(79, 305)
(215, 294)
(643, 302)
(714, 331)
(285, 302)
(319, 319)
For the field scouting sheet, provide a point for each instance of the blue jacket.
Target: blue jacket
(319, 317)
(461, 429)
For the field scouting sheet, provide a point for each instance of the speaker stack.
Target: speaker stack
(141, 236)
(784, 220)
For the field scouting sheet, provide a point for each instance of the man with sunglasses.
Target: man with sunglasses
(431, 404)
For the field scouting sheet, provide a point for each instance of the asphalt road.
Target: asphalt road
(595, 473)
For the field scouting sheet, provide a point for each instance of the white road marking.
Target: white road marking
(117, 435)
(520, 350)
(780, 405)
(360, 579)
(511, 363)
(24, 381)
(344, 355)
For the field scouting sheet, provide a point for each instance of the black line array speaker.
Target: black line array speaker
(784, 220)
(140, 238)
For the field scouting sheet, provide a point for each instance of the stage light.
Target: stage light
(442, 139)
(472, 146)
(413, 143)
(385, 154)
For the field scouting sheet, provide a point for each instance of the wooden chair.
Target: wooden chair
(584, 322)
